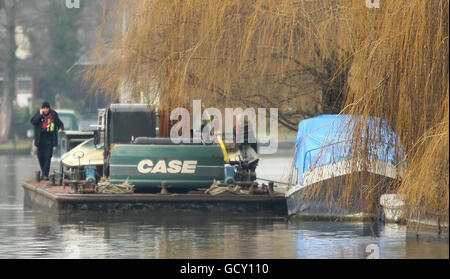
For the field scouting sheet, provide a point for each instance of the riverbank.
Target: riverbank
(20, 147)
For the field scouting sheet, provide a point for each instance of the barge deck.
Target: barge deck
(59, 199)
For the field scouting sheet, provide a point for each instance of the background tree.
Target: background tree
(63, 52)
(9, 10)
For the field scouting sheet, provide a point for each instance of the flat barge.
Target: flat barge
(59, 199)
(128, 165)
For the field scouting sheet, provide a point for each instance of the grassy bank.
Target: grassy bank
(20, 147)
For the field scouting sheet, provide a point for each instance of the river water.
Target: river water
(29, 234)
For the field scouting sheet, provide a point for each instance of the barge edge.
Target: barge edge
(42, 197)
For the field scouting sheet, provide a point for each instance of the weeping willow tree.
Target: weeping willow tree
(303, 57)
(400, 72)
(261, 53)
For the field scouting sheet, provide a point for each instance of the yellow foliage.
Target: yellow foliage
(273, 53)
(400, 72)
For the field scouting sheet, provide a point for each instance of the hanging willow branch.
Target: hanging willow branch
(304, 57)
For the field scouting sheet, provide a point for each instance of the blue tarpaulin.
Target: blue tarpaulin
(324, 139)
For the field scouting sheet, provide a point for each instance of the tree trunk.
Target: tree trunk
(6, 110)
(5, 118)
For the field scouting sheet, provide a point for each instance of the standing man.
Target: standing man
(46, 122)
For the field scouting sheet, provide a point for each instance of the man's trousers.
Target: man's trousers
(45, 153)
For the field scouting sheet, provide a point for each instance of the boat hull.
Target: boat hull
(301, 202)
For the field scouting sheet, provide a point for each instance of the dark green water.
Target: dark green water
(29, 234)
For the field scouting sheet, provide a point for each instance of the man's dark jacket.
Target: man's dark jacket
(36, 121)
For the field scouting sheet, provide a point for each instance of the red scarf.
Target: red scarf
(47, 121)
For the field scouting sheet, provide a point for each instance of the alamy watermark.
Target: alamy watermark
(70, 4)
(72, 251)
(254, 130)
(373, 4)
(373, 251)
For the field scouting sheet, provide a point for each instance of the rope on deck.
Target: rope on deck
(104, 186)
(217, 189)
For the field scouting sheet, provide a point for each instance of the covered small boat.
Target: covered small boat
(324, 155)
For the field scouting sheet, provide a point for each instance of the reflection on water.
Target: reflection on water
(28, 234)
